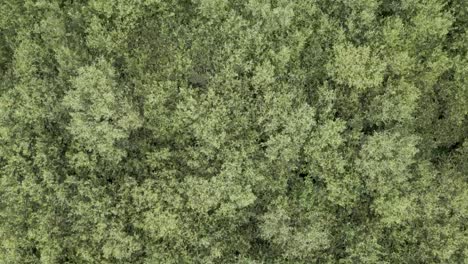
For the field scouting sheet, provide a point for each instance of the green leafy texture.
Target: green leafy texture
(213, 131)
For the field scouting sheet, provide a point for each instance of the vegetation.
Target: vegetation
(216, 131)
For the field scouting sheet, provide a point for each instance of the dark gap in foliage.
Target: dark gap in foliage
(197, 80)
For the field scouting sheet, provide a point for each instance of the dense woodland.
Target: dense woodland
(249, 131)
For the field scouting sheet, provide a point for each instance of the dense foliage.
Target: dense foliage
(216, 131)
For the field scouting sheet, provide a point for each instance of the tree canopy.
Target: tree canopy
(215, 131)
